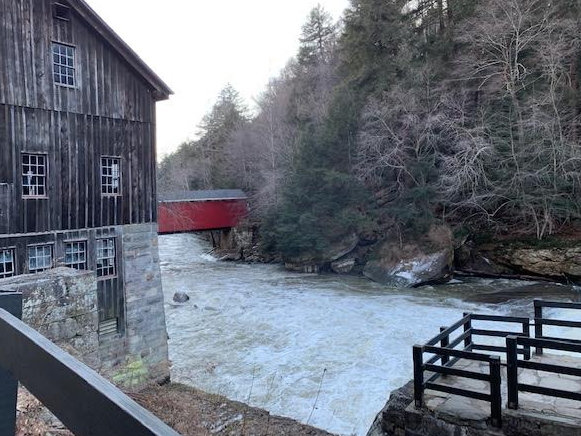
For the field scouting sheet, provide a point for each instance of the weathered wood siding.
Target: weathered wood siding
(111, 112)
(106, 85)
(74, 145)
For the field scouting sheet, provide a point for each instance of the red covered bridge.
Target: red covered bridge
(193, 211)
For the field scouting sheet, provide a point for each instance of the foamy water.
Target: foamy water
(324, 350)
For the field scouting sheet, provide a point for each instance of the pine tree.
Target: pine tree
(227, 115)
(317, 38)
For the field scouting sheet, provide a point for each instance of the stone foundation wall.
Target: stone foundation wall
(141, 354)
(62, 305)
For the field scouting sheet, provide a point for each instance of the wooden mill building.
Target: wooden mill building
(78, 160)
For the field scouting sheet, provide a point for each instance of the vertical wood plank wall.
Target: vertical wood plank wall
(110, 112)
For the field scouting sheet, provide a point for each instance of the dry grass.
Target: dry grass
(189, 411)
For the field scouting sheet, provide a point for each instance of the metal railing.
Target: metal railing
(86, 403)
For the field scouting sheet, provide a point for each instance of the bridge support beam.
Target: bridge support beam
(12, 303)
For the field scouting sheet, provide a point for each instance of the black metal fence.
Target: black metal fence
(86, 403)
(443, 348)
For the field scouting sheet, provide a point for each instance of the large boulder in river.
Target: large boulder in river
(181, 297)
(413, 262)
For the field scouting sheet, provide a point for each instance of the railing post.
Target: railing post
(444, 344)
(512, 371)
(538, 324)
(467, 327)
(418, 375)
(526, 330)
(12, 303)
(495, 392)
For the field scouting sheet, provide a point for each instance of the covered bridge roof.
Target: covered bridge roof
(219, 194)
(161, 90)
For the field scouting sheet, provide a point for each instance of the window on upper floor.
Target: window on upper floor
(61, 12)
(76, 255)
(110, 175)
(63, 64)
(106, 258)
(39, 258)
(34, 172)
(7, 263)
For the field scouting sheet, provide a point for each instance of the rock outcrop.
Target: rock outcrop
(337, 254)
(560, 263)
(413, 262)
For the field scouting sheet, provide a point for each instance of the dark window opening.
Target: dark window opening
(61, 12)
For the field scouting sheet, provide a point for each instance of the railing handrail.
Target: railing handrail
(83, 401)
(541, 321)
(447, 350)
(493, 377)
(513, 364)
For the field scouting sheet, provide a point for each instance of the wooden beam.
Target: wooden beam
(86, 403)
(12, 303)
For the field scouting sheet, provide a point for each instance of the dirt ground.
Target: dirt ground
(189, 411)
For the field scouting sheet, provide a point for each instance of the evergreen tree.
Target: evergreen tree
(317, 38)
(227, 115)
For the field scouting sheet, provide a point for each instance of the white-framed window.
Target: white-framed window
(110, 175)
(63, 57)
(76, 255)
(106, 254)
(39, 258)
(7, 263)
(34, 172)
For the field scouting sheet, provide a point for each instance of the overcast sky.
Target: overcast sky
(198, 46)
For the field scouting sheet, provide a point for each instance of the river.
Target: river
(322, 349)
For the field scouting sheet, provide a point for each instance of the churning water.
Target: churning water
(324, 350)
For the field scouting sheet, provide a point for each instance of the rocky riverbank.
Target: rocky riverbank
(396, 259)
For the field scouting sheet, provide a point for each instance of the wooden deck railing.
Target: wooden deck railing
(513, 364)
(86, 403)
(443, 349)
(541, 320)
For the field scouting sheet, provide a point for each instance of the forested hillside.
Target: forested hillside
(402, 115)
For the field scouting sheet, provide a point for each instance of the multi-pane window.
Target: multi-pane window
(106, 257)
(76, 255)
(39, 258)
(34, 171)
(63, 64)
(110, 175)
(7, 265)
